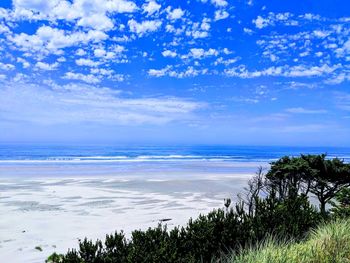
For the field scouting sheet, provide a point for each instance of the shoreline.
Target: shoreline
(55, 210)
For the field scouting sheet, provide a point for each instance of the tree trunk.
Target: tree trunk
(323, 207)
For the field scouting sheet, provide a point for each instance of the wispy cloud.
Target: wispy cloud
(83, 103)
(301, 110)
(342, 100)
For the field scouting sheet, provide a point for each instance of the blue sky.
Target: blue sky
(175, 72)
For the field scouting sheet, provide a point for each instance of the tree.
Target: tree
(341, 208)
(254, 190)
(328, 177)
(289, 177)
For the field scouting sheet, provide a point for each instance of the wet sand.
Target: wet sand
(52, 206)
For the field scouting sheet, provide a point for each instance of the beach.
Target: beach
(50, 197)
(47, 208)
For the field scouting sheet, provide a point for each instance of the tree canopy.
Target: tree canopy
(315, 174)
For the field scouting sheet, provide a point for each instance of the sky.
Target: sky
(242, 72)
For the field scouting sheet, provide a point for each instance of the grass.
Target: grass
(329, 243)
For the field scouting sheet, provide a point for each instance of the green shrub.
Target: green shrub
(202, 239)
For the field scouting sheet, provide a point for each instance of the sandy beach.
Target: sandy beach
(48, 207)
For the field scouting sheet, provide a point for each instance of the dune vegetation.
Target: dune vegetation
(275, 203)
(327, 243)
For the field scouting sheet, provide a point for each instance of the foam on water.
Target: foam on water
(94, 154)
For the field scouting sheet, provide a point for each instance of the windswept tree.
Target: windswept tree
(289, 177)
(324, 178)
(329, 176)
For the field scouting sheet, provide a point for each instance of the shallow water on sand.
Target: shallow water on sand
(54, 211)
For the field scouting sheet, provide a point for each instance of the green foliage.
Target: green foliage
(274, 204)
(289, 177)
(202, 239)
(328, 243)
(292, 176)
(328, 177)
(54, 258)
(341, 208)
(291, 217)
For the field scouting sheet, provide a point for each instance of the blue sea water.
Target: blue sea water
(25, 153)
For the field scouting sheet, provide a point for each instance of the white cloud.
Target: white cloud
(144, 27)
(96, 21)
(174, 14)
(102, 53)
(99, 52)
(24, 62)
(86, 62)
(189, 72)
(89, 78)
(41, 6)
(199, 30)
(46, 66)
(159, 72)
(261, 22)
(248, 31)
(227, 51)
(6, 66)
(320, 33)
(4, 13)
(310, 16)
(220, 14)
(205, 25)
(199, 34)
(102, 71)
(199, 53)
(4, 29)
(108, 73)
(272, 19)
(304, 71)
(346, 46)
(226, 62)
(82, 10)
(338, 78)
(80, 52)
(169, 53)
(219, 3)
(52, 39)
(246, 100)
(168, 71)
(283, 71)
(151, 7)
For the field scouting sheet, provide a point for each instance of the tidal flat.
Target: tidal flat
(47, 208)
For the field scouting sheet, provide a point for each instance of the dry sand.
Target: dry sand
(52, 206)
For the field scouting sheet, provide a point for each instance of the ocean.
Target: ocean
(142, 160)
(26, 153)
